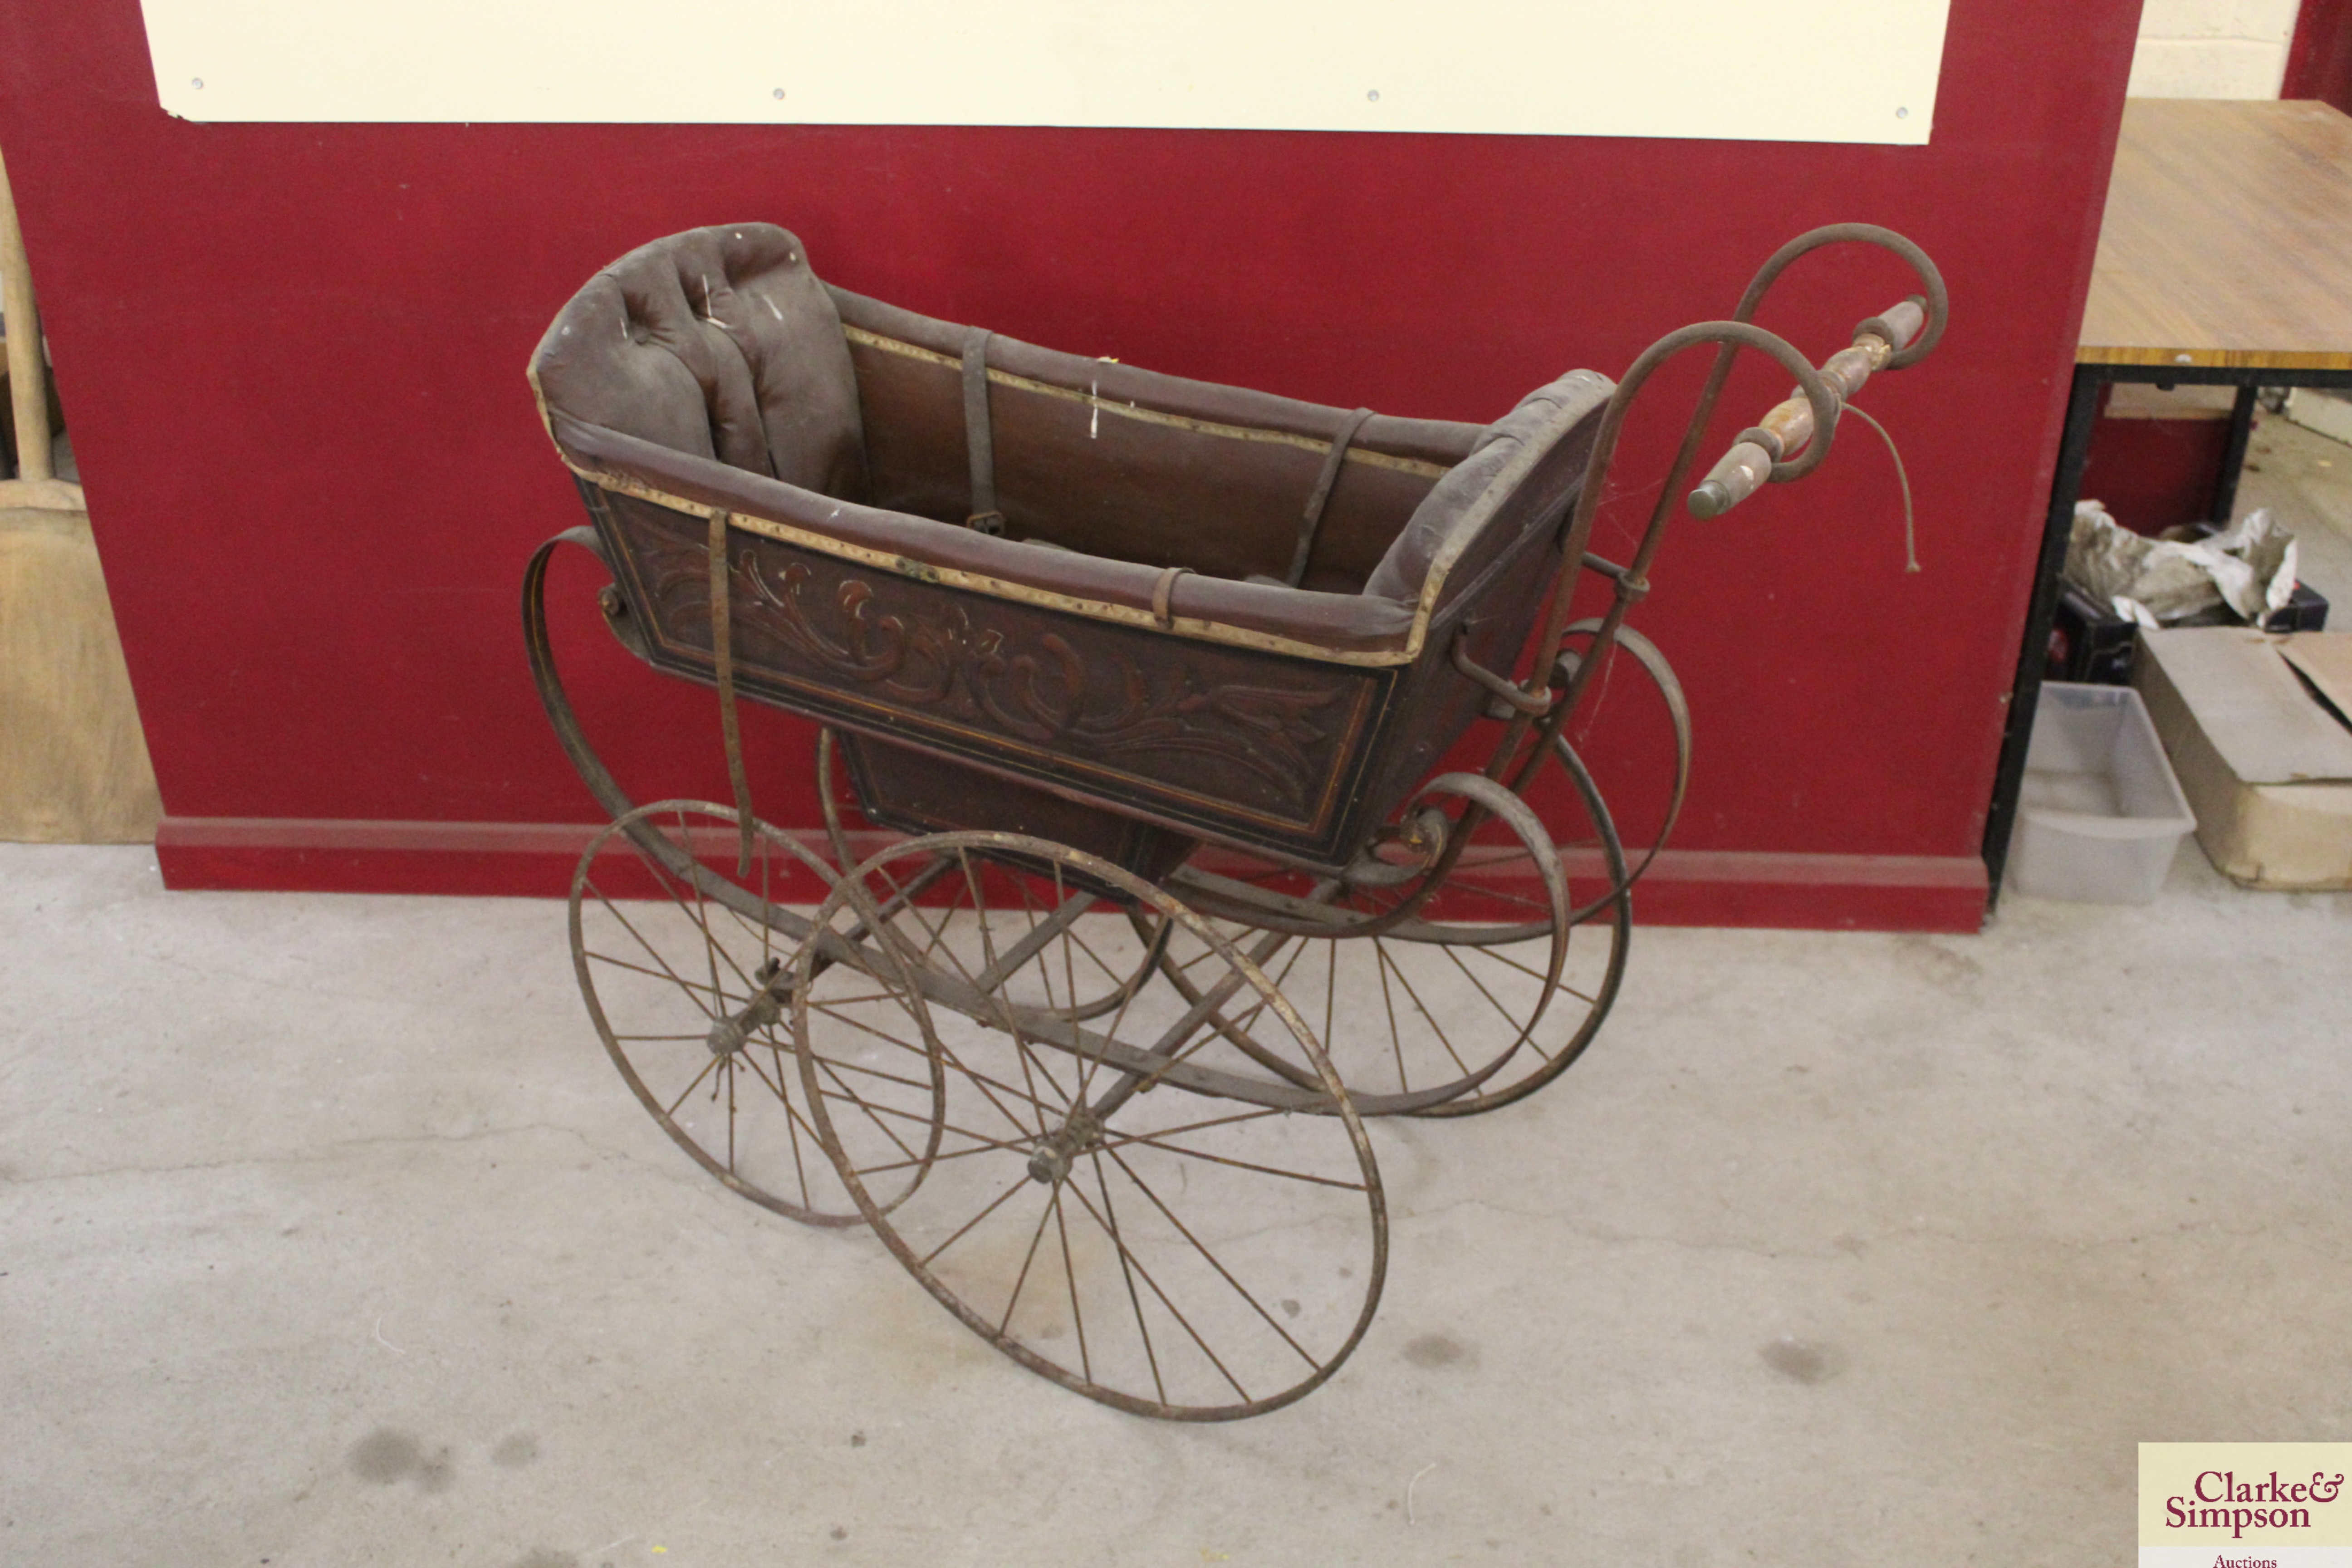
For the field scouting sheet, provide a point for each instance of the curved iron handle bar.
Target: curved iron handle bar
(1604, 636)
(1730, 336)
(1939, 306)
(1930, 279)
(1938, 309)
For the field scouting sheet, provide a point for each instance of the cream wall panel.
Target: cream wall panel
(1811, 70)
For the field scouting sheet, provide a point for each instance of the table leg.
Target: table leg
(2065, 488)
(2234, 455)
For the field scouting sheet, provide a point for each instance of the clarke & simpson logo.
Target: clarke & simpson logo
(2223, 1487)
(2245, 1505)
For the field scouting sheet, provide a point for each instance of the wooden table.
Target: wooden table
(2225, 257)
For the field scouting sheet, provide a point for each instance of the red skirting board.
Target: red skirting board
(291, 356)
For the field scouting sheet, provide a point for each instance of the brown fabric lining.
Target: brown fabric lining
(1153, 415)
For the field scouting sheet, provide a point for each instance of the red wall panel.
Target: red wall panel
(292, 359)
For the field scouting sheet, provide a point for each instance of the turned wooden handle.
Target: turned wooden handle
(1738, 475)
(1905, 321)
(1789, 428)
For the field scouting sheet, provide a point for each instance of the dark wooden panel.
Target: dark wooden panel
(1254, 747)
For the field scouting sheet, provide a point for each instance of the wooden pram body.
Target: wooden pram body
(1210, 613)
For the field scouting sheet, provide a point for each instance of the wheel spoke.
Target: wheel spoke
(863, 1071)
(962, 1230)
(1536, 975)
(1427, 1016)
(707, 1070)
(693, 988)
(1396, 1037)
(1127, 1272)
(871, 1114)
(1152, 1140)
(1215, 1262)
(1070, 1277)
(831, 1011)
(1173, 1310)
(980, 1146)
(1260, 1114)
(651, 952)
(791, 1119)
(1507, 1017)
(1031, 1256)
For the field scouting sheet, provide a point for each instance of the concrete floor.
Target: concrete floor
(2306, 479)
(329, 1236)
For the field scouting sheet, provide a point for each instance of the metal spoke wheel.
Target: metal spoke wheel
(686, 968)
(1099, 983)
(1103, 1209)
(1484, 995)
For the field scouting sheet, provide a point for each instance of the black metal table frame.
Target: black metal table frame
(2065, 489)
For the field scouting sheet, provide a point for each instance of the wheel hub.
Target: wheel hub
(1053, 1157)
(730, 1035)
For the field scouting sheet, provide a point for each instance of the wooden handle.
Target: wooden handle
(1740, 473)
(1745, 469)
(1903, 322)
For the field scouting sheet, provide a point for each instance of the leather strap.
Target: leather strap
(1163, 595)
(1321, 494)
(722, 659)
(979, 440)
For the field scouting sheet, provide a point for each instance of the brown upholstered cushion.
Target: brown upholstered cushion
(1543, 416)
(720, 343)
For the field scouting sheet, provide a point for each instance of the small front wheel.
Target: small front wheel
(686, 968)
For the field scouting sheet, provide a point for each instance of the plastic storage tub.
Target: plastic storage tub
(2101, 815)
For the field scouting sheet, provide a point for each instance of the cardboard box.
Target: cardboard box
(2255, 726)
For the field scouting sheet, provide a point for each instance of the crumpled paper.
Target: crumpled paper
(2249, 566)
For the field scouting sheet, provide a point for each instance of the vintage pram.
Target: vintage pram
(1139, 685)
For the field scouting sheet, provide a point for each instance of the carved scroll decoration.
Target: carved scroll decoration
(1038, 690)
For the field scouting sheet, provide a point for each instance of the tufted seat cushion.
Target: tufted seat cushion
(720, 343)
